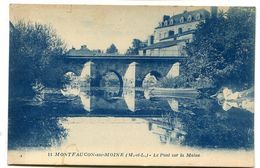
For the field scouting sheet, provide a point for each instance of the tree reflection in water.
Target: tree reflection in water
(34, 126)
(208, 126)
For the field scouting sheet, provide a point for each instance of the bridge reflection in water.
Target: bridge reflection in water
(130, 100)
(178, 121)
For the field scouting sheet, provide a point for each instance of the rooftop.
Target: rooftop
(163, 44)
(178, 35)
(83, 51)
(185, 17)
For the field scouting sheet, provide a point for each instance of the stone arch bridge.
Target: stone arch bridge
(131, 70)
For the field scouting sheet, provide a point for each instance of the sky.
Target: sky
(97, 26)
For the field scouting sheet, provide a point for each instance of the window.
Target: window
(165, 23)
(160, 24)
(182, 19)
(180, 31)
(144, 52)
(171, 33)
(171, 21)
(198, 16)
(189, 18)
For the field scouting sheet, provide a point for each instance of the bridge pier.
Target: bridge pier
(129, 78)
(174, 71)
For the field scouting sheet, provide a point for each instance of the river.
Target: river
(106, 119)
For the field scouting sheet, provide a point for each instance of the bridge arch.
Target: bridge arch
(150, 78)
(119, 77)
(70, 84)
(70, 77)
(117, 91)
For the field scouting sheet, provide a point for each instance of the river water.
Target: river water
(97, 119)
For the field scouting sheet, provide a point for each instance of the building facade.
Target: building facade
(173, 33)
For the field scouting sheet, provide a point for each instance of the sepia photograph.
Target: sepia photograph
(115, 85)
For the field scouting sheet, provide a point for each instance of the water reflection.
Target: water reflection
(86, 101)
(129, 98)
(169, 131)
(205, 127)
(229, 99)
(174, 104)
(175, 121)
(30, 127)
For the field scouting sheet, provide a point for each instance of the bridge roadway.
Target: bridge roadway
(126, 57)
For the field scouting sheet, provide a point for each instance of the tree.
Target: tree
(136, 46)
(222, 52)
(35, 50)
(112, 49)
(98, 51)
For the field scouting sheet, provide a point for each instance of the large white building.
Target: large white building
(174, 32)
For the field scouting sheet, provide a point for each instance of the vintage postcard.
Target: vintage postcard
(131, 85)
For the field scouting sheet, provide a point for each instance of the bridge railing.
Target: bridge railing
(154, 52)
(126, 57)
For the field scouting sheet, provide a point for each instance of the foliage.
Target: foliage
(35, 51)
(110, 80)
(97, 51)
(35, 132)
(136, 46)
(208, 125)
(112, 49)
(222, 52)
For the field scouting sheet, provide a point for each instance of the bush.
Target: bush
(35, 51)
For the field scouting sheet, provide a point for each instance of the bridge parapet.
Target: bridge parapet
(126, 57)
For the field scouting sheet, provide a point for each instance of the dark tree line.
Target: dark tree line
(112, 49)
(136, 46)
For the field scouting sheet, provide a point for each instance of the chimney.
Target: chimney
(83, 47)
(150, 40)
(214, 11)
